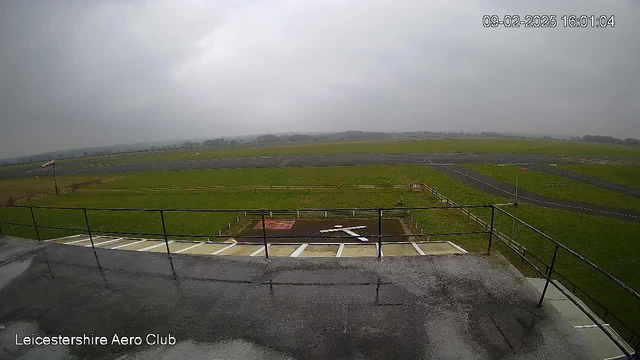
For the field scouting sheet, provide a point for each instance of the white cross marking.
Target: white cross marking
(348, 231)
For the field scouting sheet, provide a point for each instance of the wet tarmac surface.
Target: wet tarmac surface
(312, 228)
(429, 307)
(278, 161)
(499, 188)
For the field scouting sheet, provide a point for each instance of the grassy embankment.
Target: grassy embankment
(455, 145)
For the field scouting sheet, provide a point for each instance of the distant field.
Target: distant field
(622, 174)
(536, 181)
(456, 145)
(19, 189)
(610, 243)
(467, 145)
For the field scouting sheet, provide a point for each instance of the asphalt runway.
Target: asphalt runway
(604, 184)
(498, 188)
(282, 161)
(427, 307)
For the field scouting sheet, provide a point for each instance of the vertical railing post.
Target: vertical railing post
(264, 236)
(164, 231)
(379, 234)
(549, 274)
(493, 213)
(35, 226)
(86, 220)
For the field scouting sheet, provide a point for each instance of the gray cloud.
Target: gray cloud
(83, 73)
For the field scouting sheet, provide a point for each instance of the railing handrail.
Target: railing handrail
(260, 210)
(574, 253)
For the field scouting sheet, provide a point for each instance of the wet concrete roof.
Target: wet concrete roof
(427, 307)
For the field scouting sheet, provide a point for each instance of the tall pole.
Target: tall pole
(513, 226)
(517, 183)
(379, 234)
(55, 182)
(264, 236)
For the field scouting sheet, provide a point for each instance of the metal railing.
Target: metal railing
(550, 270)
(378, 213)
(262, 213)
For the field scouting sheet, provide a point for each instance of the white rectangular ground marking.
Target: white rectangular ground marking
(342, 229)
(589, 326)
(340, 250)
(457, 247)
(381, 252)
(417, 248)
(104, 242)
(125, 245)
(155, 246)
(223, 249)
(188, 248)
(299, 250)
(64, 238)
(77, 241)
(259, 250)
(348, 231)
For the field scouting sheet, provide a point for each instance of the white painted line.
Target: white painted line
(155, 246)
(188, 248)
(65, 238)
(343, 229)
(125, 245)
(588, 326)
(259, 250)
(415, 246)
(223, 249)
(77, 241)
(457, 247)
(104, 242)
(299, 250)
(354, 234)
(340, 249)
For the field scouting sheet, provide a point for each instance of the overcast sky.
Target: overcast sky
(90, 73)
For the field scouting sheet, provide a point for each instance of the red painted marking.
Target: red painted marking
(275, 224)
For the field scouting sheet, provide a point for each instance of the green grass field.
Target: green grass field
(622, 174)
(27, 188)
(536, 181)
(610, 243)
(465, 145)
(453, 145)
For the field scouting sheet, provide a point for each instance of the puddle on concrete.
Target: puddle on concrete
(12, 270)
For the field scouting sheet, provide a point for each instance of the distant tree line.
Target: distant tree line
(609, 140)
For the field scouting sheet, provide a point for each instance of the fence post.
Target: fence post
(549, 274)
(35, 226)
(493, 213)
(379, 234)
(264, 236)
(86, 220)
(164, 231)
